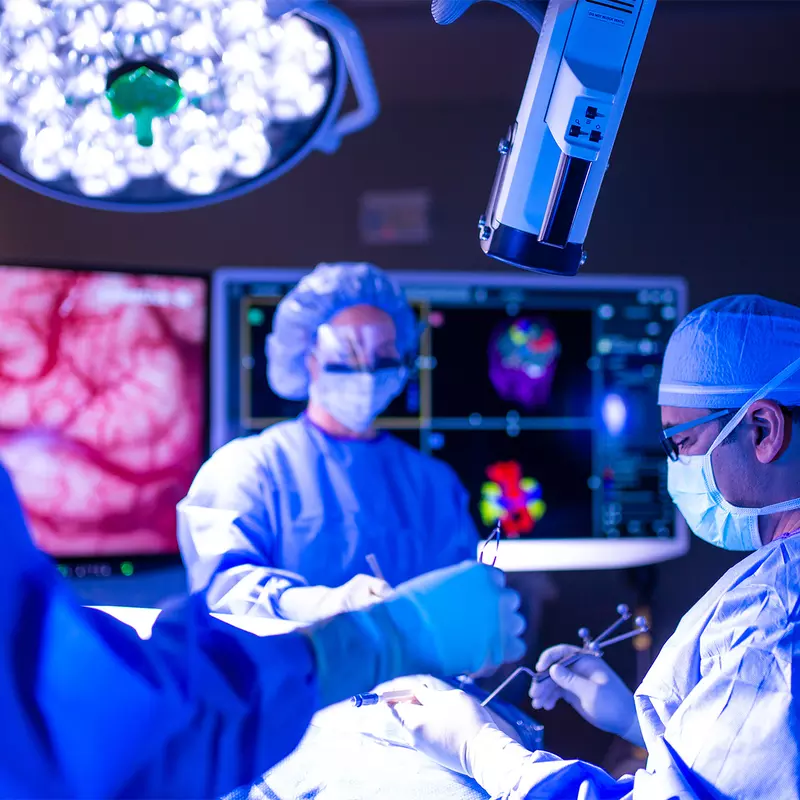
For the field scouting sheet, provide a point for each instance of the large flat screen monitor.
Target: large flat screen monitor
(103, 395)
(541, 393)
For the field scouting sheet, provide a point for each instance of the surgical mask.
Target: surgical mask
(694, 489)
(355, 399)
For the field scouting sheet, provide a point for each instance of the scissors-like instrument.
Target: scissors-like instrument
(590, 647)
(493, 540)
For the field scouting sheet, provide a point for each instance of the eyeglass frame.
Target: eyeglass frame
(381, 364)
(667, 442)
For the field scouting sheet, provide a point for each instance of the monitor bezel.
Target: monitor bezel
(513, 556)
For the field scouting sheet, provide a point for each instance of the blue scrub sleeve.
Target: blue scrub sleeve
(227, 536)
(90, 710)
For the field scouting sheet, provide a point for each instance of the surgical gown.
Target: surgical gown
(719, 709)
(89, 710)
(295, 506)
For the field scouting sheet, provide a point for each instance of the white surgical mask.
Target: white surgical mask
(355, 399)
(694, 489)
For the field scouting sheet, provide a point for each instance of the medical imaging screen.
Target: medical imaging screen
(530, 363)
(536, 481)
(103, 383)
(542, 399)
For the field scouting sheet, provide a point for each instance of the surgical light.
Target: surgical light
(154, 105)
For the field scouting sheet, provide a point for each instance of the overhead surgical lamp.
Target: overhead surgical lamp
(554, 157)
(158, 105)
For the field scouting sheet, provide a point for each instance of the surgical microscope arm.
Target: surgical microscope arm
(554, 157)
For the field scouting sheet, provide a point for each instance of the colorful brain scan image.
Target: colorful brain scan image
(523, 356)
(512, 499)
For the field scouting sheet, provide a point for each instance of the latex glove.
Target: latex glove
(312, 603)
(456, 620)
(592, 688)
(443, 726)
(455, 731)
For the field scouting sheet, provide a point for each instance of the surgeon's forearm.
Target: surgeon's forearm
(496, 761)
(507, 770)
(250, 590)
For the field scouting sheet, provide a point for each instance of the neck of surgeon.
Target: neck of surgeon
(761, 467)
(778, 525)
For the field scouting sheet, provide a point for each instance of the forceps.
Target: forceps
(590, 647)
(494, 539)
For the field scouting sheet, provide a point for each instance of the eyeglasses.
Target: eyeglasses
(345, 349)
(380, 363)
(669, 444)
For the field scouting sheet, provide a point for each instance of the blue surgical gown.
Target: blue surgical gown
(295, 506)
(89, 710)
(719, 709)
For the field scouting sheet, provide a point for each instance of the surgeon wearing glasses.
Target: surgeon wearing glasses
(718, 712)
(280, 524)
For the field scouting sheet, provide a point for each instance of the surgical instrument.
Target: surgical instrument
(374, 566)
(594, 647)
(373, 698)
(505, 683)
(591, 647)
(494, 538)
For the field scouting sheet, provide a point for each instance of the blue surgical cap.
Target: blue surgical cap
(317, 298)
(724, 352)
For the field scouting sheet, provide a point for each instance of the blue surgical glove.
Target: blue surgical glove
(592, 688)
(458, 620)
(452, 621)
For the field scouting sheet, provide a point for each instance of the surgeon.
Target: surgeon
(91, 711)
(280, 524)
(719, 711)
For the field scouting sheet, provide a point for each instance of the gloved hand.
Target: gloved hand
(592, 688)
(455, 731)
(312, 603)
(443, 726)
(456, 620)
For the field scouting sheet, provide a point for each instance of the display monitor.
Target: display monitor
(103, 396)
(540, 392)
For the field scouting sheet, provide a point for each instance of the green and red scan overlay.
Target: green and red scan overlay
(512, 499)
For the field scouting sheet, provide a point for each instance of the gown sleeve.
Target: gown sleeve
(90, 710)
(227, 536)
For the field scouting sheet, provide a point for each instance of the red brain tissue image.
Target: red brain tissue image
(102, 405)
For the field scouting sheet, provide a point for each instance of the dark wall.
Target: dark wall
(699, 186)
